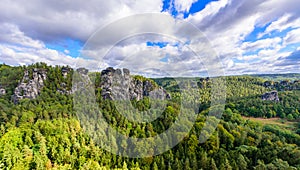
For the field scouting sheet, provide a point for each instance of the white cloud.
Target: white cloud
(227, 23)
(183, 5)
(74, 19)
(209, 11)
(281, 24)
(133, 53)
(11, 34)
(66, 51)
(248, 57)
(25, 28)
(18, 49)
(262, 44)
(292, 37)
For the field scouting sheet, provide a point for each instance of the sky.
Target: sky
(249, 37)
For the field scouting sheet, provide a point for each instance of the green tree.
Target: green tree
(290, 117)
(225, 165)
(213, 165)
(242, 163)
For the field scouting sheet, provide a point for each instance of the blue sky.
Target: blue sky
(168, 6)
(244, 34)
(67, 46)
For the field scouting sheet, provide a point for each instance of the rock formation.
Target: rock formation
(2, 91)
(81, 81)
(285, 85)
(63, 88)
(84, 79)
(30, 87)
(117, 84)
(82, 71)
(271, 96)
(269, 84)
(203, 83)
(285, 82)
(65, 71)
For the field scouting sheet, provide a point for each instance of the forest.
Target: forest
(44, 132)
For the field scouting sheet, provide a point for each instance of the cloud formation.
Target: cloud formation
(52, 20)
(259, 36)
(228, 23)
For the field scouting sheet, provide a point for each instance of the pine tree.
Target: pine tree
(241, 162)
(225, 165)
(187, 164)
(124, 167)
(177, 164)
(155, 166)
(213, 165)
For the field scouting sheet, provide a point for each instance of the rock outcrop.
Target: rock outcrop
(284, 85)
(117, 84)
(2, 91)
(63, 87)
(269, 84)
(30, 87)
(82, 71)
(82, 80)
(203, 83)
(65, 71)
(271, 96)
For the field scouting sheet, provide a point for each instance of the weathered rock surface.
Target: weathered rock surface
(282, 85)
(63, 89)
(82, 80)
(117, 84)
(269, 84)
(65, 71)
(271, 96)
(2, 91)
(202, 83)
(30, 87)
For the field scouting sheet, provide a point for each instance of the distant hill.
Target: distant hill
(279, 77)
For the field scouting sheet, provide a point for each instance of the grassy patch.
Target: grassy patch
(273, 121)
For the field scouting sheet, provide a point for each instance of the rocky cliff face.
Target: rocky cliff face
(117, 84)
(272, 96)
(30, 87)
(82, 80)
(63, 88)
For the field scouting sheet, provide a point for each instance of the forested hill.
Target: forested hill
(279, 77)
(39, 129)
